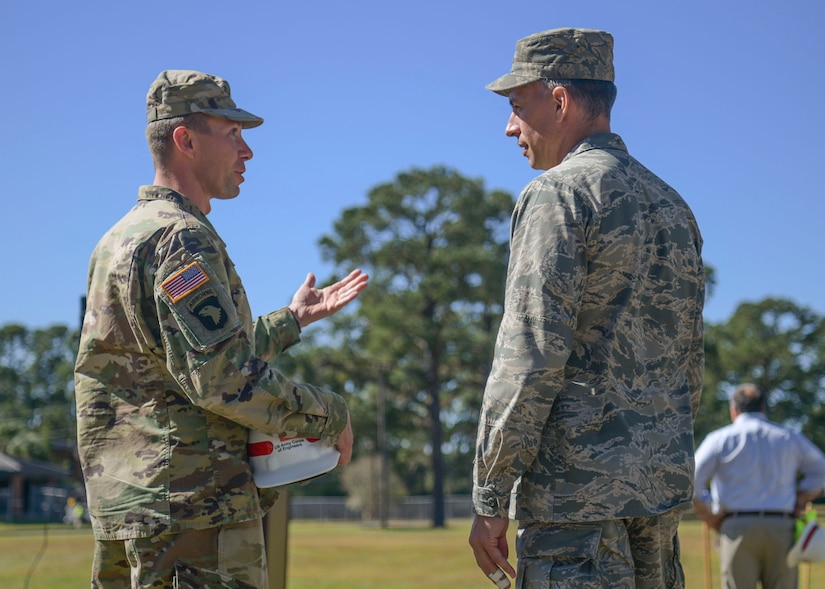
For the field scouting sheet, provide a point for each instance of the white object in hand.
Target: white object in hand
(281, 461)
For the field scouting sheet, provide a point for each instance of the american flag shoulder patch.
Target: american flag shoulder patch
(184, 281)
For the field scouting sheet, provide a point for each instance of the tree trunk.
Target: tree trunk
(438, 459)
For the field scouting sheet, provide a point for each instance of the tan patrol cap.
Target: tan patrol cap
(181, 92)
(559, 54)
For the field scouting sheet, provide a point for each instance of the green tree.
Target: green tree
(435, 246)
(13, 353)
(779, 346)
(36, 390)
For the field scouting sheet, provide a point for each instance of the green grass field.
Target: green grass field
(327, 556)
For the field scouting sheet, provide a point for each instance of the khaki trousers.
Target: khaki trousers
(752, 549)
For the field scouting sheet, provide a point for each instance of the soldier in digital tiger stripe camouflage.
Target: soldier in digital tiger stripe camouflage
(173, 371)
(586, 429)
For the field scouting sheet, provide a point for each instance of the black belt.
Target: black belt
(763, 513)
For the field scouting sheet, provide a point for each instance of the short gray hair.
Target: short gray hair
(595, 96)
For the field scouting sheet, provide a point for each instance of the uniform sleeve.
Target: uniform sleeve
(545, 281)
(696, 361)
(213, 356)
(276, 332)
(696, 365)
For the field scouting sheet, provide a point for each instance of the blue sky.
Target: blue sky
(720, 98)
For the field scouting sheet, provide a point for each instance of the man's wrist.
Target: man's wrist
(488, 503)
(295, 316)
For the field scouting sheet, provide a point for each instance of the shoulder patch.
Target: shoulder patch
(184, 282)
(206, 306)
(196, 305)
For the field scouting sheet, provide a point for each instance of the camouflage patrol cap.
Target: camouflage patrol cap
(569, 54)
(175, 93)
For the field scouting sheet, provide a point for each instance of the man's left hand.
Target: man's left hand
(488, 538)
(309, 304)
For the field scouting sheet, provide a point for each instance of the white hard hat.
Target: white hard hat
(281, 461)
(810, 547)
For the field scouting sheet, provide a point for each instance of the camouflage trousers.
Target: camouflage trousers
(638, 553)
(231, 557)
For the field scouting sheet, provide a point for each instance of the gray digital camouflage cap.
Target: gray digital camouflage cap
(175, 93)
(569, 54)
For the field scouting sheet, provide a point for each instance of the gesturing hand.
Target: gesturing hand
(311, 304)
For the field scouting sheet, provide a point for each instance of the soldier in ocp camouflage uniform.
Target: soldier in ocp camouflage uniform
(586, 430)
(173, 371)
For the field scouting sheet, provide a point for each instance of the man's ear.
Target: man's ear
(184, 141)
(561, 101)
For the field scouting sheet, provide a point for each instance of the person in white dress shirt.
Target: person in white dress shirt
(761, 475)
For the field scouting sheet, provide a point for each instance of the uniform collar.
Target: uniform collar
(598, 141)
(148, 193)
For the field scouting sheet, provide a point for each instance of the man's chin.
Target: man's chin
(229, 195)
(538, 165)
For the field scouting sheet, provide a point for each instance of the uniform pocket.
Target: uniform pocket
(190, 577)
(560, 557)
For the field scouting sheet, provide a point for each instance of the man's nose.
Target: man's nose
(246, 151)
(512, 128)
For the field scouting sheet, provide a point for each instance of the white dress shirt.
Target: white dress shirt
(753, 464)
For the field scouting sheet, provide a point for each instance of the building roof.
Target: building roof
(33, 469)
